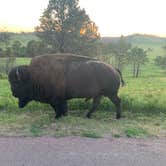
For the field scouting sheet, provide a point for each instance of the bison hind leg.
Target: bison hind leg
(117, 102)
(96, 102)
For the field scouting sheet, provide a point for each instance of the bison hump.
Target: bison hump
(50, 74)
(66, 57)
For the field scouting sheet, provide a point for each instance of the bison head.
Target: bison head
(20, 81)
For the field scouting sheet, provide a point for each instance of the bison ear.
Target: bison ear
(22, 73)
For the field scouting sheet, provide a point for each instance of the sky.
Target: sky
(113, 17)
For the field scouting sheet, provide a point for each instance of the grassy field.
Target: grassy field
(143, 103)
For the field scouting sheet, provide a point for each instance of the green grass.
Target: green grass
(22, 61)
(17, 62)
(135, 132)
(144, 113)
(91, 135)
(35, 129)
(143, 103)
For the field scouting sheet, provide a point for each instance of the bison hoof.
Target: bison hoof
(58, 116)
(88, 116)
(118, 116)
(65, 114)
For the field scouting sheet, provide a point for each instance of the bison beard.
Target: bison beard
(54, 79)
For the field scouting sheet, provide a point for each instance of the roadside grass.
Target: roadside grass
(42, 122)
(91, 134)
(136, 132)
(144, 114)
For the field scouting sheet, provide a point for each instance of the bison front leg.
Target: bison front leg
(64, 108)
(60, 108)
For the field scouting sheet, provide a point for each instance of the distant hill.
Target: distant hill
(144, 41)
(137, 39)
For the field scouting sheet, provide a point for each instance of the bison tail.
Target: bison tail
(121, 77)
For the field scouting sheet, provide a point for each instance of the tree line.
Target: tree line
(161, 60)
(118, 53)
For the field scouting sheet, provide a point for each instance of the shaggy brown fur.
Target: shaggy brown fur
(56, 78)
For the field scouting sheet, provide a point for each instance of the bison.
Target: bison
(54, 79)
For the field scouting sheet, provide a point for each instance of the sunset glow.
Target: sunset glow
(112, 17)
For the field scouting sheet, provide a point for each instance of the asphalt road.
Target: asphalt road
(78, 151)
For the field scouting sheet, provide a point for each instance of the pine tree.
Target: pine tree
(67, 28)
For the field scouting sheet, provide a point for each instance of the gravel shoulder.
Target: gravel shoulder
(81, 151)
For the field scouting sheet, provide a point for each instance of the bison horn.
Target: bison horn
(17, 74)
